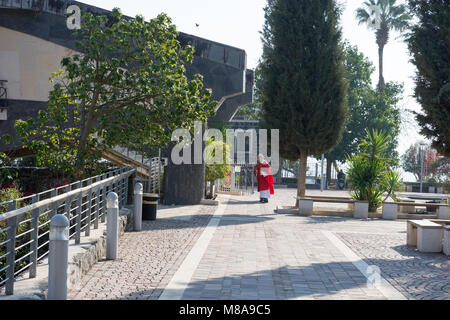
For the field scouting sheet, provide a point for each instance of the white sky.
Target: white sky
(238, 23)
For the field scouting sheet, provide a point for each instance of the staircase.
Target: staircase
(124, 157)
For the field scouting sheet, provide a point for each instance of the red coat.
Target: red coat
(264, 182)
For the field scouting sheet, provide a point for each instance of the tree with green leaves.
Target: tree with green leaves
(383, 16)
(411, 160)
(429, 44)
(217, 155)
(368, 109)
(302, 78)
(215, 170)
(358, 74)
(125, 85)
(370, 173)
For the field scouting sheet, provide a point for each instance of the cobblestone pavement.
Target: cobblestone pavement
(147, 259)
(416, 275)
(254, 253)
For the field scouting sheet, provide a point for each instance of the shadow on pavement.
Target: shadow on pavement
(319, 279)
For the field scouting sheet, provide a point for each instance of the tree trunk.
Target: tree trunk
(301, 179)
(381, 83)
(279, 176)
(328, 174)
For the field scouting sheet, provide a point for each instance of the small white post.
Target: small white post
(389, 211)
(360, 210)
(443, 212)
(112, 225)
(138, 192)
(306, 207)
(58, 257)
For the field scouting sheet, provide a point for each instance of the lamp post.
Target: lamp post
(422, 144)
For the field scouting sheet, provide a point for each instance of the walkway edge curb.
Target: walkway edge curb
(180, 280)
(385, 287)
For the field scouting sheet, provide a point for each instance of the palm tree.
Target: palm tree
(390, 16)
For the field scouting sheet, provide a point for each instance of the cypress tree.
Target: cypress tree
(429, 44)
(303, 91)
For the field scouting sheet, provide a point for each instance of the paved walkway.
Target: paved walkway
(243, 250)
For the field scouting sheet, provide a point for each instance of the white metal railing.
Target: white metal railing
(154, 166)
(25, 227)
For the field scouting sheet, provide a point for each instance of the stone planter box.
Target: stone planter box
(361, 210)
(306, 207)
(389, 211)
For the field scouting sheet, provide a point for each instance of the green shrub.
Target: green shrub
(370, 174)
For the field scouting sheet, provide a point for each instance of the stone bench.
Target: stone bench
(425, 234)
(406, 209)
(390, 209)
(441, 222)
(360, 208)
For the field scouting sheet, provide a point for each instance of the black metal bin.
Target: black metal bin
(149, 206)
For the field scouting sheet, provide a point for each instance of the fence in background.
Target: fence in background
(154, 166)
(25, 227)
(240, 178)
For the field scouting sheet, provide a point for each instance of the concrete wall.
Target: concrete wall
(223, 68)
(27, 62)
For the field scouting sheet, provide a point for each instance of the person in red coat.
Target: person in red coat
(264, 178)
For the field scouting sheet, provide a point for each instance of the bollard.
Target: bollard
(58, 257)
(112, 225)
(138, 191)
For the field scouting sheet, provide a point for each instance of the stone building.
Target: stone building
(34, 37)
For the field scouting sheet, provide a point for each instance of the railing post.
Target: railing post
(58, 258)
(159, 174)
(138, 191)
(89, 210)
(122, 190)
(112, 225)
(54, 205)
(103, 191)
(34, 238)
(78, 216)
(11, 249)
(68, 203)
(97, 207)
(149, 176)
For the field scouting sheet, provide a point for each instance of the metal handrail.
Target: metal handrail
(37, 205)
(55, 190)
(26, 235)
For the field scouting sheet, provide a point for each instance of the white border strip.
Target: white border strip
(384, 286)
(180, 280)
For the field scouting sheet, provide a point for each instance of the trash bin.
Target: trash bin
(149, 205)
